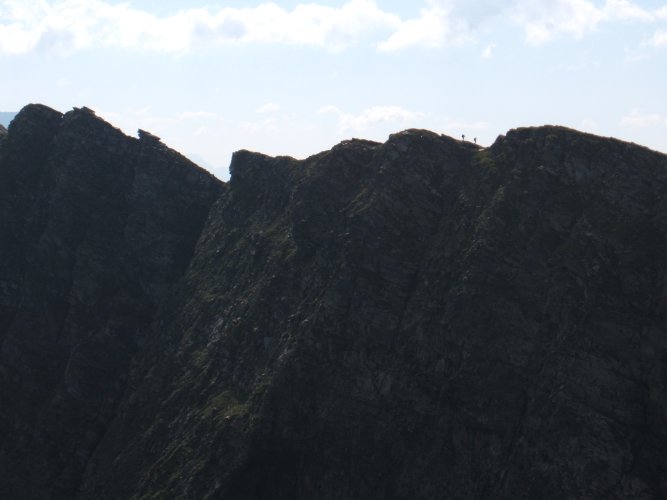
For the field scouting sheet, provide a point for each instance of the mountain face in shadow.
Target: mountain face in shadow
(96, 228)
(419, 319)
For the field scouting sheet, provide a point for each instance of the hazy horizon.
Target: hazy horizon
(6, 117)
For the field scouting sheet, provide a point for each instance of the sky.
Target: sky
(290, 77)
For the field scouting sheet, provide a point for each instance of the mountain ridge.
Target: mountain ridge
(419, 318)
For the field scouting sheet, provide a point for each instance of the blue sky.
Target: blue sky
(292, 77)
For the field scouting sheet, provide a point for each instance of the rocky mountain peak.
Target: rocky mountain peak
(96, 231)
(37, 115)
(249, 166)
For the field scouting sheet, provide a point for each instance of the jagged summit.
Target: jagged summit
(419, 318)
(147, 136)
(95, 231)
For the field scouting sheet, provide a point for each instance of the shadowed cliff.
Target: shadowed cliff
(422, 318)
(96, 227)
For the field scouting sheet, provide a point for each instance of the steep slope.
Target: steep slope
(416, 319)
(95, 227)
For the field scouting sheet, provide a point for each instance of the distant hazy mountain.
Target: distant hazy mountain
(6, 117)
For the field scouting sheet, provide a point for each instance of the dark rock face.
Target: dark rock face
(95, 228)
(416, 319)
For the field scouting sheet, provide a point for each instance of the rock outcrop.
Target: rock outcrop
(422, 318)
(96, 227)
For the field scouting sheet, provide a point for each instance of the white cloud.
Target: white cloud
(269, 107)
(130, 119)
(67, 25)
(634, 55)
(638, 119)
(623, 10)
(544, 20)
(480, 11)
(434, 27)
(659, 39)
(487, 53)
(372, 116)
(266, 125)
